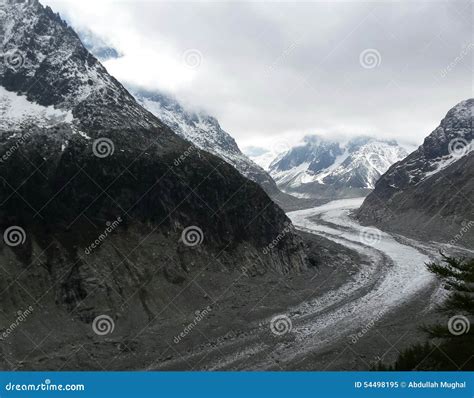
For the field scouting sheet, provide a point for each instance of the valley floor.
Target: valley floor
(355, 313)
(362, 302)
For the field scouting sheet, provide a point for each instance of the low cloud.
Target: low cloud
(278, 71)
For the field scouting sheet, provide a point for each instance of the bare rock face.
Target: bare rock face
(103, 208)
(429, 194)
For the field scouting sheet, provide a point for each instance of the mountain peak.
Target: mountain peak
(427, 193)
(45, 60)
(204, 131)
(326, 168)
(78, 150)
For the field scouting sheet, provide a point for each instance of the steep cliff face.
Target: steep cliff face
(428, 194)
(103, 208)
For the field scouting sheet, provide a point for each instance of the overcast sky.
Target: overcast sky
(274, 71)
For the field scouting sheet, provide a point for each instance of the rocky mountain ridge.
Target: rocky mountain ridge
(205, 132)
(428, 194)
(79, 153)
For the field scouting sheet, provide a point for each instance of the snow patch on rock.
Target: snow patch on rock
(17, 112)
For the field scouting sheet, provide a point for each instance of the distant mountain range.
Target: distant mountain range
(322, 168)
(430, 193)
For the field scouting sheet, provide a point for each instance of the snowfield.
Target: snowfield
(17, 112)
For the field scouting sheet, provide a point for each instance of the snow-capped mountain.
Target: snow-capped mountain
(327, 169)
(203, 131)
(50, 67)
(197, 127)
(59, 96)
(78, 154)
(429, 193)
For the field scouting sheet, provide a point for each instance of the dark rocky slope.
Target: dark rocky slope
(107, 164)
(429, 194)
